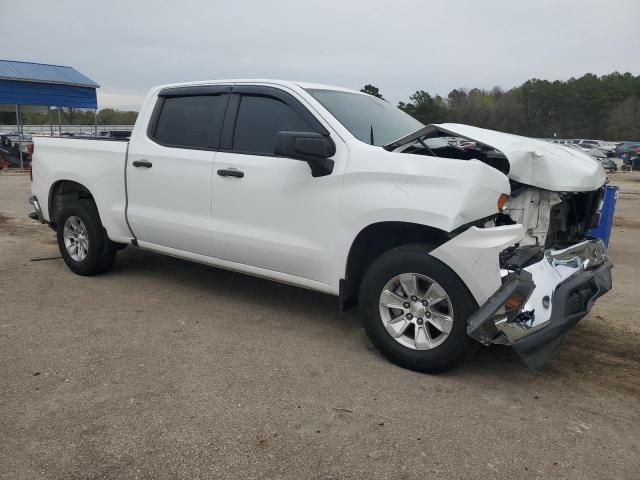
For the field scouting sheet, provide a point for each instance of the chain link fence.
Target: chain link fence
(75, 129)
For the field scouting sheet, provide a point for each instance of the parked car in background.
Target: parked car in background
(6, 139)
(608, 164)
(594, 152)
(577, 146)
(12, 142)
(597, 153)
(631, 164)
(626, 149)
(599, 144)
(612, 145)
(333, 190)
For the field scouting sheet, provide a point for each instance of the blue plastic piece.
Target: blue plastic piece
(603, 230)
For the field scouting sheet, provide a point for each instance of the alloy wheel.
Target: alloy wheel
(76, 238)
(416, 311)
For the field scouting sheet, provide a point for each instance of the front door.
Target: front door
(269, 211)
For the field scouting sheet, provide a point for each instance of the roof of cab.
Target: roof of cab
(260, 81)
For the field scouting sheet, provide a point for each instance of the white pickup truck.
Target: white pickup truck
(439, 242)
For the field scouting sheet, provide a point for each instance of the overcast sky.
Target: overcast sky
(400, 46)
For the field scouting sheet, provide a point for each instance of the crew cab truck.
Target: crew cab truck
(333, 190)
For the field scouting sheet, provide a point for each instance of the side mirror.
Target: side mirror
(311, 147)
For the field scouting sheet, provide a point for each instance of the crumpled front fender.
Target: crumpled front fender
(474, 256)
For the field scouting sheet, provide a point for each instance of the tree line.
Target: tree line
(606, 107)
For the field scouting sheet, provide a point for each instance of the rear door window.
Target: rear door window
(191, 121)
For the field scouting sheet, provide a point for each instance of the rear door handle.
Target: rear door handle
(142, 163)
(231, 172)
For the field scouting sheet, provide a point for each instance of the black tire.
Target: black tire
(416, 259)
(101, 252)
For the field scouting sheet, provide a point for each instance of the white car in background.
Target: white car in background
(599, 144)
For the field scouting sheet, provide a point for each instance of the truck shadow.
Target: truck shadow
(260, 293)
(576, 358)
(268, 296)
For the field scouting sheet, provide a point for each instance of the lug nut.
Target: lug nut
(427, 314)
(414, 298)
(425, 303)
(406, 304)
(419, 321)
(409, 316)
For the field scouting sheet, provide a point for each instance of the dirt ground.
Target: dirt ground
(163, 368)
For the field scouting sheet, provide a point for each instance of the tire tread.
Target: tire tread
(102, 257)
(416, 258)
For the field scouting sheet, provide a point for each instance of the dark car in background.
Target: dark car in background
(608, 164)
(627, 149)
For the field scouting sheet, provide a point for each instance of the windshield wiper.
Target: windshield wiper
(372, 135)
(421, 140)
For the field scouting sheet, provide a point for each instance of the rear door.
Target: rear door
(169, 169)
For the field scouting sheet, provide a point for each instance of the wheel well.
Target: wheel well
(64, 191)
(375, 240)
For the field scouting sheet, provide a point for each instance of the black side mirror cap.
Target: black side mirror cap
(311, 147)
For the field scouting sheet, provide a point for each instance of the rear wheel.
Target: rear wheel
(83, 243)
(415, 309)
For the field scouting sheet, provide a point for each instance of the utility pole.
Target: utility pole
(19, 123)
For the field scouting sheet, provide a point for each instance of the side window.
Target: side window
(191, 122)
(259, 119)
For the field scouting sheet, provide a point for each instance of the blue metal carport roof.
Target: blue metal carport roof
(25, 83)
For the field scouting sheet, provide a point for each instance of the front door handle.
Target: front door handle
(231, 172)
(142, 163)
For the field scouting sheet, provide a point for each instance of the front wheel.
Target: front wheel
(83, 243)
(415, 309)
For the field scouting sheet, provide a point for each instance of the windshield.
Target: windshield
(369, 119)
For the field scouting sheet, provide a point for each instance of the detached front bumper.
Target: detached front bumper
(538, 303)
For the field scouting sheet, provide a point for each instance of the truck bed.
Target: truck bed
(91, 137)
(97, 164)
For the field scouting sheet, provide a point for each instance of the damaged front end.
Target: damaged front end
(533, 267)
(529, 296)
(550, 278)
(542, 298)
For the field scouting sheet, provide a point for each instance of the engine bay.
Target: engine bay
(552, 219)
(459, 149)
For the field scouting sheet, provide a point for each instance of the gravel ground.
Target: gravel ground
(167, 369)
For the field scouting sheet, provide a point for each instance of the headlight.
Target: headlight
(502, 201)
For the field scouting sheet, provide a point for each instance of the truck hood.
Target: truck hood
(532, 162)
